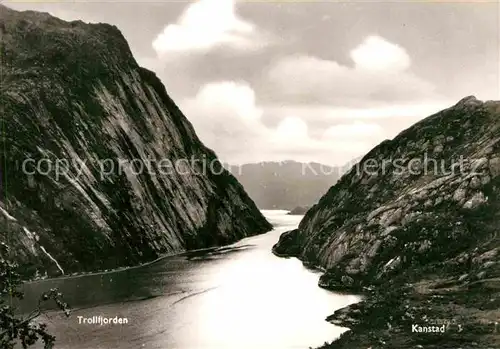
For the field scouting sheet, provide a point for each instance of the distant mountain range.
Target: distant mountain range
(286, 184)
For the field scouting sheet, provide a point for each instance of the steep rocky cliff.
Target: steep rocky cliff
(418, 212)
(100, 169)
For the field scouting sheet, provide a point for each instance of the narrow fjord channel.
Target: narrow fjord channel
(240, 296)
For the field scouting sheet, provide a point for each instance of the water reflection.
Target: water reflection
(240, 296)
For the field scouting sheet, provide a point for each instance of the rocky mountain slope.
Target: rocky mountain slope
(100, 169)
(415, 226)
(299, 210)
(286, 184)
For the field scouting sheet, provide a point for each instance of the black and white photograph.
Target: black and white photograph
(249, 174)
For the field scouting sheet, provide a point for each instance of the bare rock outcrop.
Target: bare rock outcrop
(100, 168)
(414, 227)
(406, 204)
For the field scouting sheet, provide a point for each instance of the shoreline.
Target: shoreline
(145, 264)
(387, 316)
(467, 312)
(173, 254)
(77, 275)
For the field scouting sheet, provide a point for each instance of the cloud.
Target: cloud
(375, 53)
(291, 138)
(204, 25)
(291, 128)
(316, 109)
(310, 93)
(355, 129)
(318, 114)
(371, 124)
(228, 119)
(231, 98)
(380, 74)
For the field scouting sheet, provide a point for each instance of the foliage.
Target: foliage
(17, 328)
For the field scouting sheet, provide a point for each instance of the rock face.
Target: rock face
(414, 225)
(100, 169)
(299, 210)
(429, 195)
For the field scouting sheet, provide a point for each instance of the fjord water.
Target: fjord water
(240, 296)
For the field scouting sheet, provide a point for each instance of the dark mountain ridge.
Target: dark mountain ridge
(100, 168)
(419, 235)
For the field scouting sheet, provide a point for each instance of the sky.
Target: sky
(305, 80)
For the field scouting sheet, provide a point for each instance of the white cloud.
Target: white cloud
(230, 97)
(380, 75)
(371, 124)
(336, 114)
(291, 128)
(355, 129)
(294, 73)
(376, 53)
(203, 25)
(227, 118)
(333, 113)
